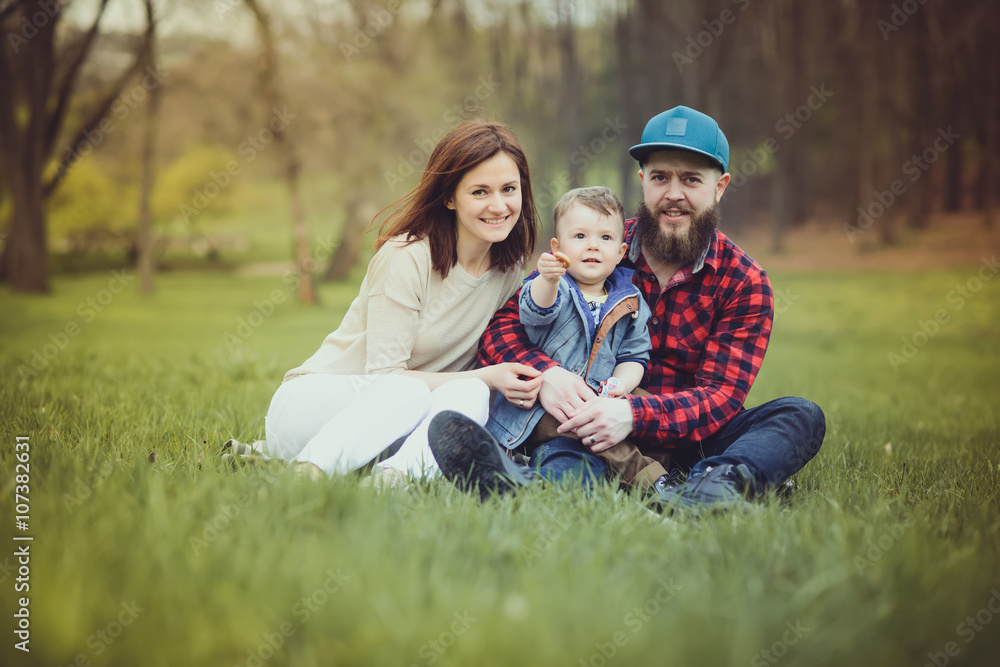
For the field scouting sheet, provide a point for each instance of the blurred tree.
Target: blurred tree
(89, 205)
(144, 236)
(374, 85)
(38, 86)
(268, 73)
(570, 90)
(181, 191)
(990, 129)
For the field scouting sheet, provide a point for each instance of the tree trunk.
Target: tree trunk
(990, 141)
(784, 62)
(269, 83)
(866, 135)
(349, 248)
(954, 169)
(144, 241)
(923, 104)
(570, 96)
(27, 70)
(627, 74)
(26, 242)
(34, 104)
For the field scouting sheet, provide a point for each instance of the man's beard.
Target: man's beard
(673, 247)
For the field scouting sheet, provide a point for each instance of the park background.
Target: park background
(187, 192)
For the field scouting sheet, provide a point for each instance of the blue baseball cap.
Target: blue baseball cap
(685, 128)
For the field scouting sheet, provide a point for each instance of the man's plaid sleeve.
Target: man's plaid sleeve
(734, 352)
(505, 340)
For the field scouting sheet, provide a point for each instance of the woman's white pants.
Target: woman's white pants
(341, 422)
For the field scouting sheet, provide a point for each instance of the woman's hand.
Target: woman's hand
(563, 392)
(517, 382)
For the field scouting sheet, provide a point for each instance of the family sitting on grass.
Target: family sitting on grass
(627, 356)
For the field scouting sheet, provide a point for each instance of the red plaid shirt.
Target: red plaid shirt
(709, 331)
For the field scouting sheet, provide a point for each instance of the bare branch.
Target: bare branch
(55, 121)
(8, 9)
(102, 109)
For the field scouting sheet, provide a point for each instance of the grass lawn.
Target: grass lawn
(889, 554)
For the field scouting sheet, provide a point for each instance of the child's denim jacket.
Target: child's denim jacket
(567, 332)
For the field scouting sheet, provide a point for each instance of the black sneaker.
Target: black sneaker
(721, 487)
(666, 482)
(470, 457)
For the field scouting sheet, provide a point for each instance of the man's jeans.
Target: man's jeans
(774, 440)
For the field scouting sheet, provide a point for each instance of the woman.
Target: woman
(451, 254)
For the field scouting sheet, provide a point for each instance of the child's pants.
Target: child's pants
(636, 468)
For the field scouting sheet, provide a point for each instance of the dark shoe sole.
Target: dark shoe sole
(470, 458)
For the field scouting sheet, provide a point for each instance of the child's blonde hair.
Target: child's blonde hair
(601, 199)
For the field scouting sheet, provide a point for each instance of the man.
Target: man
(712, 308)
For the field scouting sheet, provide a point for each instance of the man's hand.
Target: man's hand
(563, 392)
(600, 423)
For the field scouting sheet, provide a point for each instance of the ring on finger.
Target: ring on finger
(593, 440)
(520, 403)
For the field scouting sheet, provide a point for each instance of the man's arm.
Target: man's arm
(505, 340)
(733, 356)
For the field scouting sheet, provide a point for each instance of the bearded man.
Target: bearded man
(712, 308)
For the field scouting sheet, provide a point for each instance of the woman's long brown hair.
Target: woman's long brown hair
(423, 213)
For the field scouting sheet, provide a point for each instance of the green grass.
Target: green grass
(879, 560)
